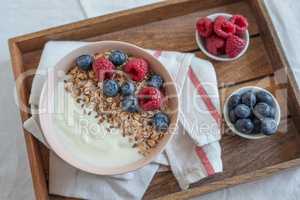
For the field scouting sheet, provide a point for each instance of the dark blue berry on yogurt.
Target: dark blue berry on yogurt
(118, 57)
(155, 81)
(161, 121)
(127, 88)
(130, 104)
(84, 62)
(110, 88)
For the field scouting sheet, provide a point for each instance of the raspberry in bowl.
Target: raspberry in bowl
(252, 112)
(222, 37)
(115, 108)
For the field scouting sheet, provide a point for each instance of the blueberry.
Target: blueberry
(268, 126)
(263, 96)
(242, 111)
(263, 110)
(161, 121)
(110, 88)
(251, 116)
(232, 116)
(130, 104)
(127, 88)
(244, 125)
(118, 57)
(273, 112)
(249, 99)
(84, 62)
(257, 125)
(233, 101)
(156, 81)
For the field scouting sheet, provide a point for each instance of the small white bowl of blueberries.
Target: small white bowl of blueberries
(252, 112)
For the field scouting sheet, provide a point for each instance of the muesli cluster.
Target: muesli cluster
(123, 91)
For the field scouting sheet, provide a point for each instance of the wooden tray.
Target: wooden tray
(170, 26)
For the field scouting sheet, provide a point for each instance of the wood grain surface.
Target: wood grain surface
(33, 151)
(170, 26)
(115, 22)
(276, 54)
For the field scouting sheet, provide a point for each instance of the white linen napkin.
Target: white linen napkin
(193, 153)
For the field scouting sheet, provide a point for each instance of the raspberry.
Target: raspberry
(204, 27)
(215, 45)
(103, 68)
(234, 46)
(150, 98)
(223, 27)
(137, 68)
(241, 24)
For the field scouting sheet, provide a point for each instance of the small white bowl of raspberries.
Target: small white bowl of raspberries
(222, 36)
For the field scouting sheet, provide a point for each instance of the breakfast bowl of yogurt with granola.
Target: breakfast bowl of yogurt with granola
(108, 108)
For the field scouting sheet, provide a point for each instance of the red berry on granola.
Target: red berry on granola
(234, 46)
(103, 68)
(215, 45)
(241, 24)
(137, 68)
(150, 98)
(204, 27)
(223, 27)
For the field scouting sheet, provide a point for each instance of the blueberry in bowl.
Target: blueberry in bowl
(128, 88)
(242, 111)
(156, 81)
(161, 121)
(249, 98)
(118, 57)
(244, 125)
(252, 112)
(263, 110)
(84, 62)
(130, 104)
(233, 101)
(110, 88)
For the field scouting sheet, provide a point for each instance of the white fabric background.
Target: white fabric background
(23, 16)
(19, 17)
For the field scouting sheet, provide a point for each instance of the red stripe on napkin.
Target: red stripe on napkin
(202, 92)
(205, 161)
(214, 113)
(199, 151)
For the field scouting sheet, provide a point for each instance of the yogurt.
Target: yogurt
(91, 142)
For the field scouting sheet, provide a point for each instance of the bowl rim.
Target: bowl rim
(48, 128)
(231, 125)
(218, 58)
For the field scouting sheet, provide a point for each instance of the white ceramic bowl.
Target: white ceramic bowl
(51, 131)
(200, 41)
(231, 126)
